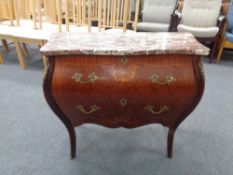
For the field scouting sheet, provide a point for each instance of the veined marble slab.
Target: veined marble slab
(104, 43)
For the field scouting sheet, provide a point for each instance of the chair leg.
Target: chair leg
(26, 53)
(220, 51)
(5, 45)
(20, 56)
(220, 41)
(1, 58)
(213, 50)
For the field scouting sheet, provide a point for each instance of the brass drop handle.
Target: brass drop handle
(155, 79)
(93, 109)
(161, 110)
(92, 78)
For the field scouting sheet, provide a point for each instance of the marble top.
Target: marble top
(102, 43)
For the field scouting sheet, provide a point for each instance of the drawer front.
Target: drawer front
(122, 89)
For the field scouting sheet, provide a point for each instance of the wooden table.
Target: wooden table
(123, 80)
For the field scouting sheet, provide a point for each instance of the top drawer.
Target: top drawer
(129, 75)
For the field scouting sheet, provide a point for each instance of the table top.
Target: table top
(101, 43)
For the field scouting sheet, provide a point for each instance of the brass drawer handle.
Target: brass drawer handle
(93, 109)
(168, 80)
(92, 78)
(162, 109)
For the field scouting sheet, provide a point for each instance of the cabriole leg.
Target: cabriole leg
(72, 142)
(170, 139)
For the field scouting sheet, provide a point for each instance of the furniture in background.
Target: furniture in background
(180, 5)
(201, 18)
(225, 7)
(21, 28)
(5, 14)
(227, 37)
(1, 58)
(116, 16)
(157, 16)
(123, 80)
(32, 22)
(5, 46)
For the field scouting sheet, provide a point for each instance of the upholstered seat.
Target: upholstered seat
(156, 15)
(201, 19)
(152, 27)
(199, 32)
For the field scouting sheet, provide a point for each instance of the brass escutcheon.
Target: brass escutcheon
(93, 109)
(124, 60)
(123, 102)
(168, 80)
(161, 110)
(92, 78)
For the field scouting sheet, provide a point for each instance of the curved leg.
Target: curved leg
(170, 139)
(72, 142)
(52, 103)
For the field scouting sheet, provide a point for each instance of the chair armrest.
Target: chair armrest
(175, 20)
(221, 18)
(222, 22)
(177, 12)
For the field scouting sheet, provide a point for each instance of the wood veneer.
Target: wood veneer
(126, 91)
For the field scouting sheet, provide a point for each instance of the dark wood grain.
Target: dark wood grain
(127, 82)
(56, 109)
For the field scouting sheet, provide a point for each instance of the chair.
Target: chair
(1, 59)
(116, 15)
(227, 39)
(157, 16)
(29, 28)
(5, 15)
(80, 14)
(201, 18)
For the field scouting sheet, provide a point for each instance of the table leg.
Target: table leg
(5, 45)
(20, 56)
(25, 49)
